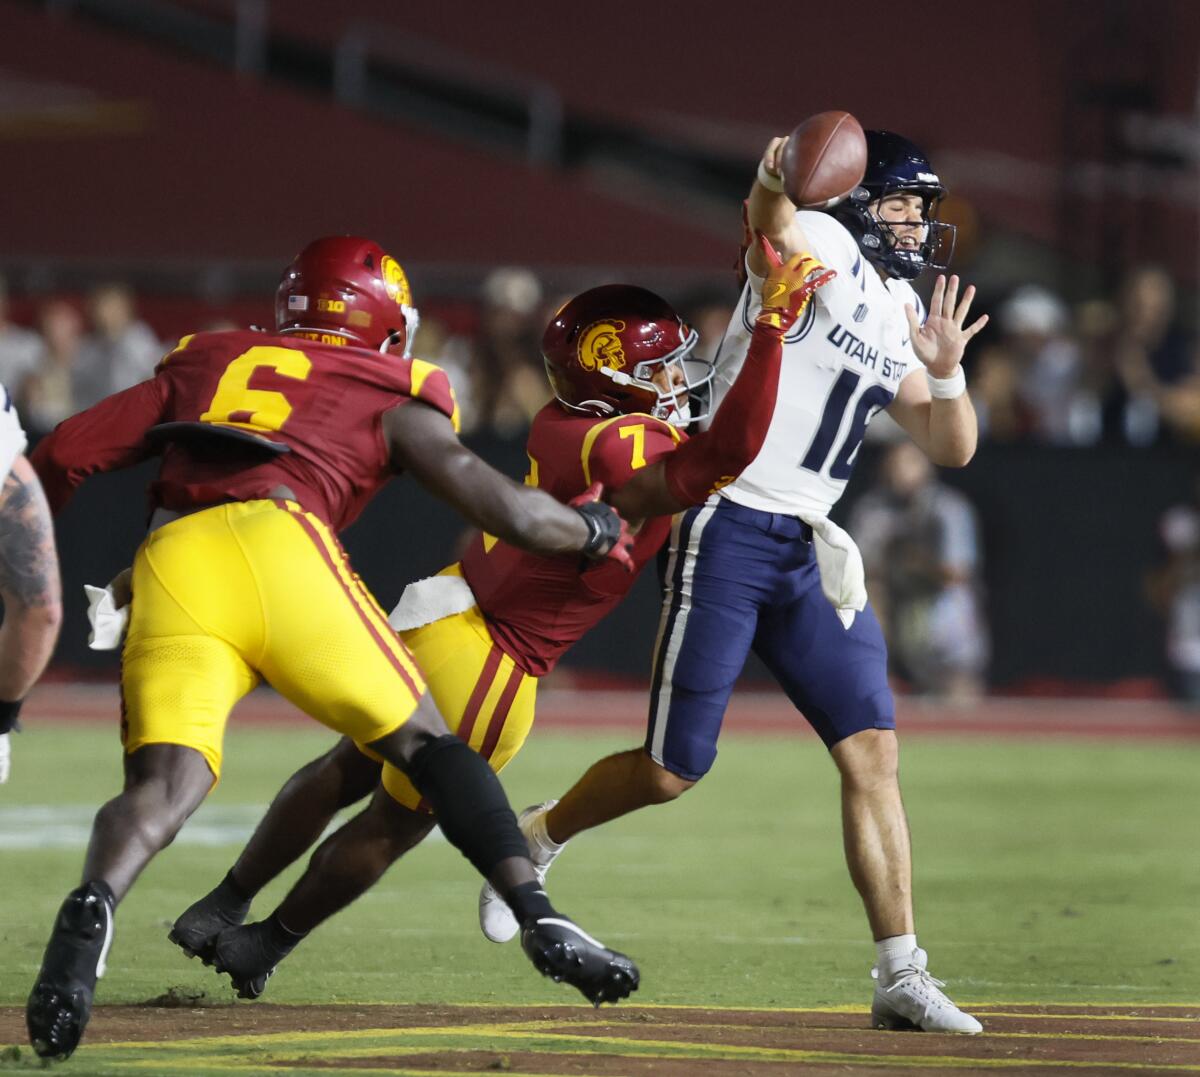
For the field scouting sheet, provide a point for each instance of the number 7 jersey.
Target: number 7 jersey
(240, 413)
(843, 361)
(535, 606)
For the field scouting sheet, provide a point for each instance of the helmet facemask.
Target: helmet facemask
(685, 401)
(897, 166)
(880, 239)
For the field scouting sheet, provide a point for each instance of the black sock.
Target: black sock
(469, 802)
(228, 892)
(282, 940)
(528, 901)
(105, 891)
(281, 933)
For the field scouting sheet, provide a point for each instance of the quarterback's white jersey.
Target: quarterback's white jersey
(843, 361)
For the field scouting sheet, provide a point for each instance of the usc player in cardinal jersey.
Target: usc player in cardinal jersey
(485, 629)
(269, 445)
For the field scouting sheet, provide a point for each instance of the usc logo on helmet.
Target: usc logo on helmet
(600, 346)
(395, 281)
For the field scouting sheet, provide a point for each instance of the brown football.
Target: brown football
(824, 160)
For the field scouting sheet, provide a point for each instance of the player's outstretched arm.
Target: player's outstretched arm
(29, 586)
(422, 441)
(107, 436)
(718, 455)
(771, 213)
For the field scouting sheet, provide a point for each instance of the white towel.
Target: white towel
(430, 600)
(12, 438)
(108, 623)
(843, 578)
(5, 758)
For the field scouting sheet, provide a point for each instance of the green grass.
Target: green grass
(1046, 871)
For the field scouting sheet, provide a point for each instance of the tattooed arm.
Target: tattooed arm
(29, 582)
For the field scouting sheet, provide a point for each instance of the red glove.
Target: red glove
(608, 533)
(789, 286)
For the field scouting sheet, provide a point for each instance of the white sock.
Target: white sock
(537, 831)
(894, 950)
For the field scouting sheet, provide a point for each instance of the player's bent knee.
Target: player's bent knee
(423, 730)
(659, 785)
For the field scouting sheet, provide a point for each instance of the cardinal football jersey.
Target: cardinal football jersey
(536, 607)
(843, 361)
(238, 414)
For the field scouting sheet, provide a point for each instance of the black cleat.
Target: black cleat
(200, 923)
(248, 956)
(61, 1001)
(567, 954)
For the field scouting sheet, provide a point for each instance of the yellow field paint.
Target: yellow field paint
(537, 1037)
(553, 1036)
(1099, 1037)
(921, 1063)
(341, 1035)
(1097, 1016)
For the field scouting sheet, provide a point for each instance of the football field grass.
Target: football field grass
(1047, 871)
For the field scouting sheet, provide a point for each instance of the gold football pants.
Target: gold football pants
(247, 590)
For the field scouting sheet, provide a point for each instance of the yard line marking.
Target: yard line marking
(69, 826)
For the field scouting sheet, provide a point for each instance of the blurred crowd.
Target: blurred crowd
(71, 358)
(1120, 371)
(1117, 371)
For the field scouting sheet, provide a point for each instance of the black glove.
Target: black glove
(608, 533)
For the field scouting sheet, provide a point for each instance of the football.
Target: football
(824, 160)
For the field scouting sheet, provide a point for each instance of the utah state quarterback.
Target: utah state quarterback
(760, 566)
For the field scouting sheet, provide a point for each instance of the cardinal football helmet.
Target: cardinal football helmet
(347, 290)
(604, 347)
(894, 165)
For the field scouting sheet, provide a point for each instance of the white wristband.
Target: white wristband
(947, 388)
(769, 180)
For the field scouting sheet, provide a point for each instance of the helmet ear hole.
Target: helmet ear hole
(345, 290)
(599, 346)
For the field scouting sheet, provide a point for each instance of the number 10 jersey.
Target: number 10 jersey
(843, 361)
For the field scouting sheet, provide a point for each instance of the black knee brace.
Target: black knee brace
(469, 802)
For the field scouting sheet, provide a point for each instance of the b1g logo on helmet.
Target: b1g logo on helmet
(600, 346)
(395, 281)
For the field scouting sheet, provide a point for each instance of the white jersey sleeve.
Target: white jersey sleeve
(843, 361)
(12, 435)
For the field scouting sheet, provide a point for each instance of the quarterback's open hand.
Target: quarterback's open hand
(941, 341)
(608, 533)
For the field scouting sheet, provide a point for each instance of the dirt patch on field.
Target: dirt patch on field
(642, 1041)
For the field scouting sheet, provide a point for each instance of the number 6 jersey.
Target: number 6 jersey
(842, 362)
(236, 414)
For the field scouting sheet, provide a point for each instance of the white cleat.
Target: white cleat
(496, 920)
(912, 999)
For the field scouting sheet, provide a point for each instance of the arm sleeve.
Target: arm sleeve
(106, 437)
(736, 433)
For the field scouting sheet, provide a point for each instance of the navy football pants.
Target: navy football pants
(737, 579)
